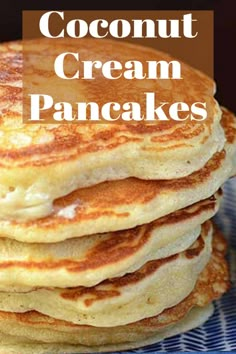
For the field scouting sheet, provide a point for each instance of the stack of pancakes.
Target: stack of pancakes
(106, 234)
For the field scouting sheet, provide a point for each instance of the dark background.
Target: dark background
(224, 31)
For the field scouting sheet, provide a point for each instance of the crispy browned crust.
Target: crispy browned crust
(213, 282)
(112, 286)
(117, 246)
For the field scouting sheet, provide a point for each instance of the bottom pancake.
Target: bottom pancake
(37, 328)
(19, 345)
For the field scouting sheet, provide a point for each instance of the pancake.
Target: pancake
(124, 204)
(34, 156)
(191, 312)
(157, 285)
(21, 345)
(230, 132)
(86, 261)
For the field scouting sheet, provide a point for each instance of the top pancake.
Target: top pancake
(33, 156)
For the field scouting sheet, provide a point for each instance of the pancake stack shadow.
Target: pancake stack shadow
(107, 235)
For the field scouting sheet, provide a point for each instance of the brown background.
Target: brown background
(197, 51)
